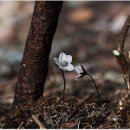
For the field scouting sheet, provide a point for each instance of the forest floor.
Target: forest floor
(91, 37)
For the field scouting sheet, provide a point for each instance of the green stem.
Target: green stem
(64, 84)
(95, 87)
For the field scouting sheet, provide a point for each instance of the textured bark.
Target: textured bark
(34, 65)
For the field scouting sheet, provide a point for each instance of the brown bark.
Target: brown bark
(123, 59)
(124, 63)
(34, 65)
(123, 34)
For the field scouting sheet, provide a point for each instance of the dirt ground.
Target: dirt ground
(89, 31)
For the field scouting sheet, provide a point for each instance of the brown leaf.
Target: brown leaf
(80, 15)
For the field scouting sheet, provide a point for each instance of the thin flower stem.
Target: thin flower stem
(64, 84)
(95, 87)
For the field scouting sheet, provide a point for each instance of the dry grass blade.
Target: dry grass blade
(38, 122)
(20, 125)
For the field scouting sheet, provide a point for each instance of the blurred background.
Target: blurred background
(86, 30)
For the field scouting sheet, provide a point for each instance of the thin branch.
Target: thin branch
(124, 62)
(122, 59)
(123, 34)
(38, 122)
(20, 125)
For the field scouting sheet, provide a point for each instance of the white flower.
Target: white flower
(81, 72)
(64, 62)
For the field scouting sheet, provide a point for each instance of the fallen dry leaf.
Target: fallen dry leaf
(79, 15)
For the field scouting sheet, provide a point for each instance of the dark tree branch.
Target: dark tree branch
(122, 59)
(124, 62)
(123, 34)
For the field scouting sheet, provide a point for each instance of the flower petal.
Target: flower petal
(62, 57)
(69, 59)
(61, 67)
(79, 76)
(57, 61)
(70, 67)
(79, 69)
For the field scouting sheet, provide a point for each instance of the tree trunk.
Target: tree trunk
(34, 67)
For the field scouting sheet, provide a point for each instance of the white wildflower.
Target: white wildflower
(64, 62)
(81, 72)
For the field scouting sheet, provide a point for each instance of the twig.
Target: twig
(124, 64)
(79, 124)
(38, 122)
(123, 60)
(20, 125)
(123, 34)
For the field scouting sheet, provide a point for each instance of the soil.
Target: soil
(69, 113)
